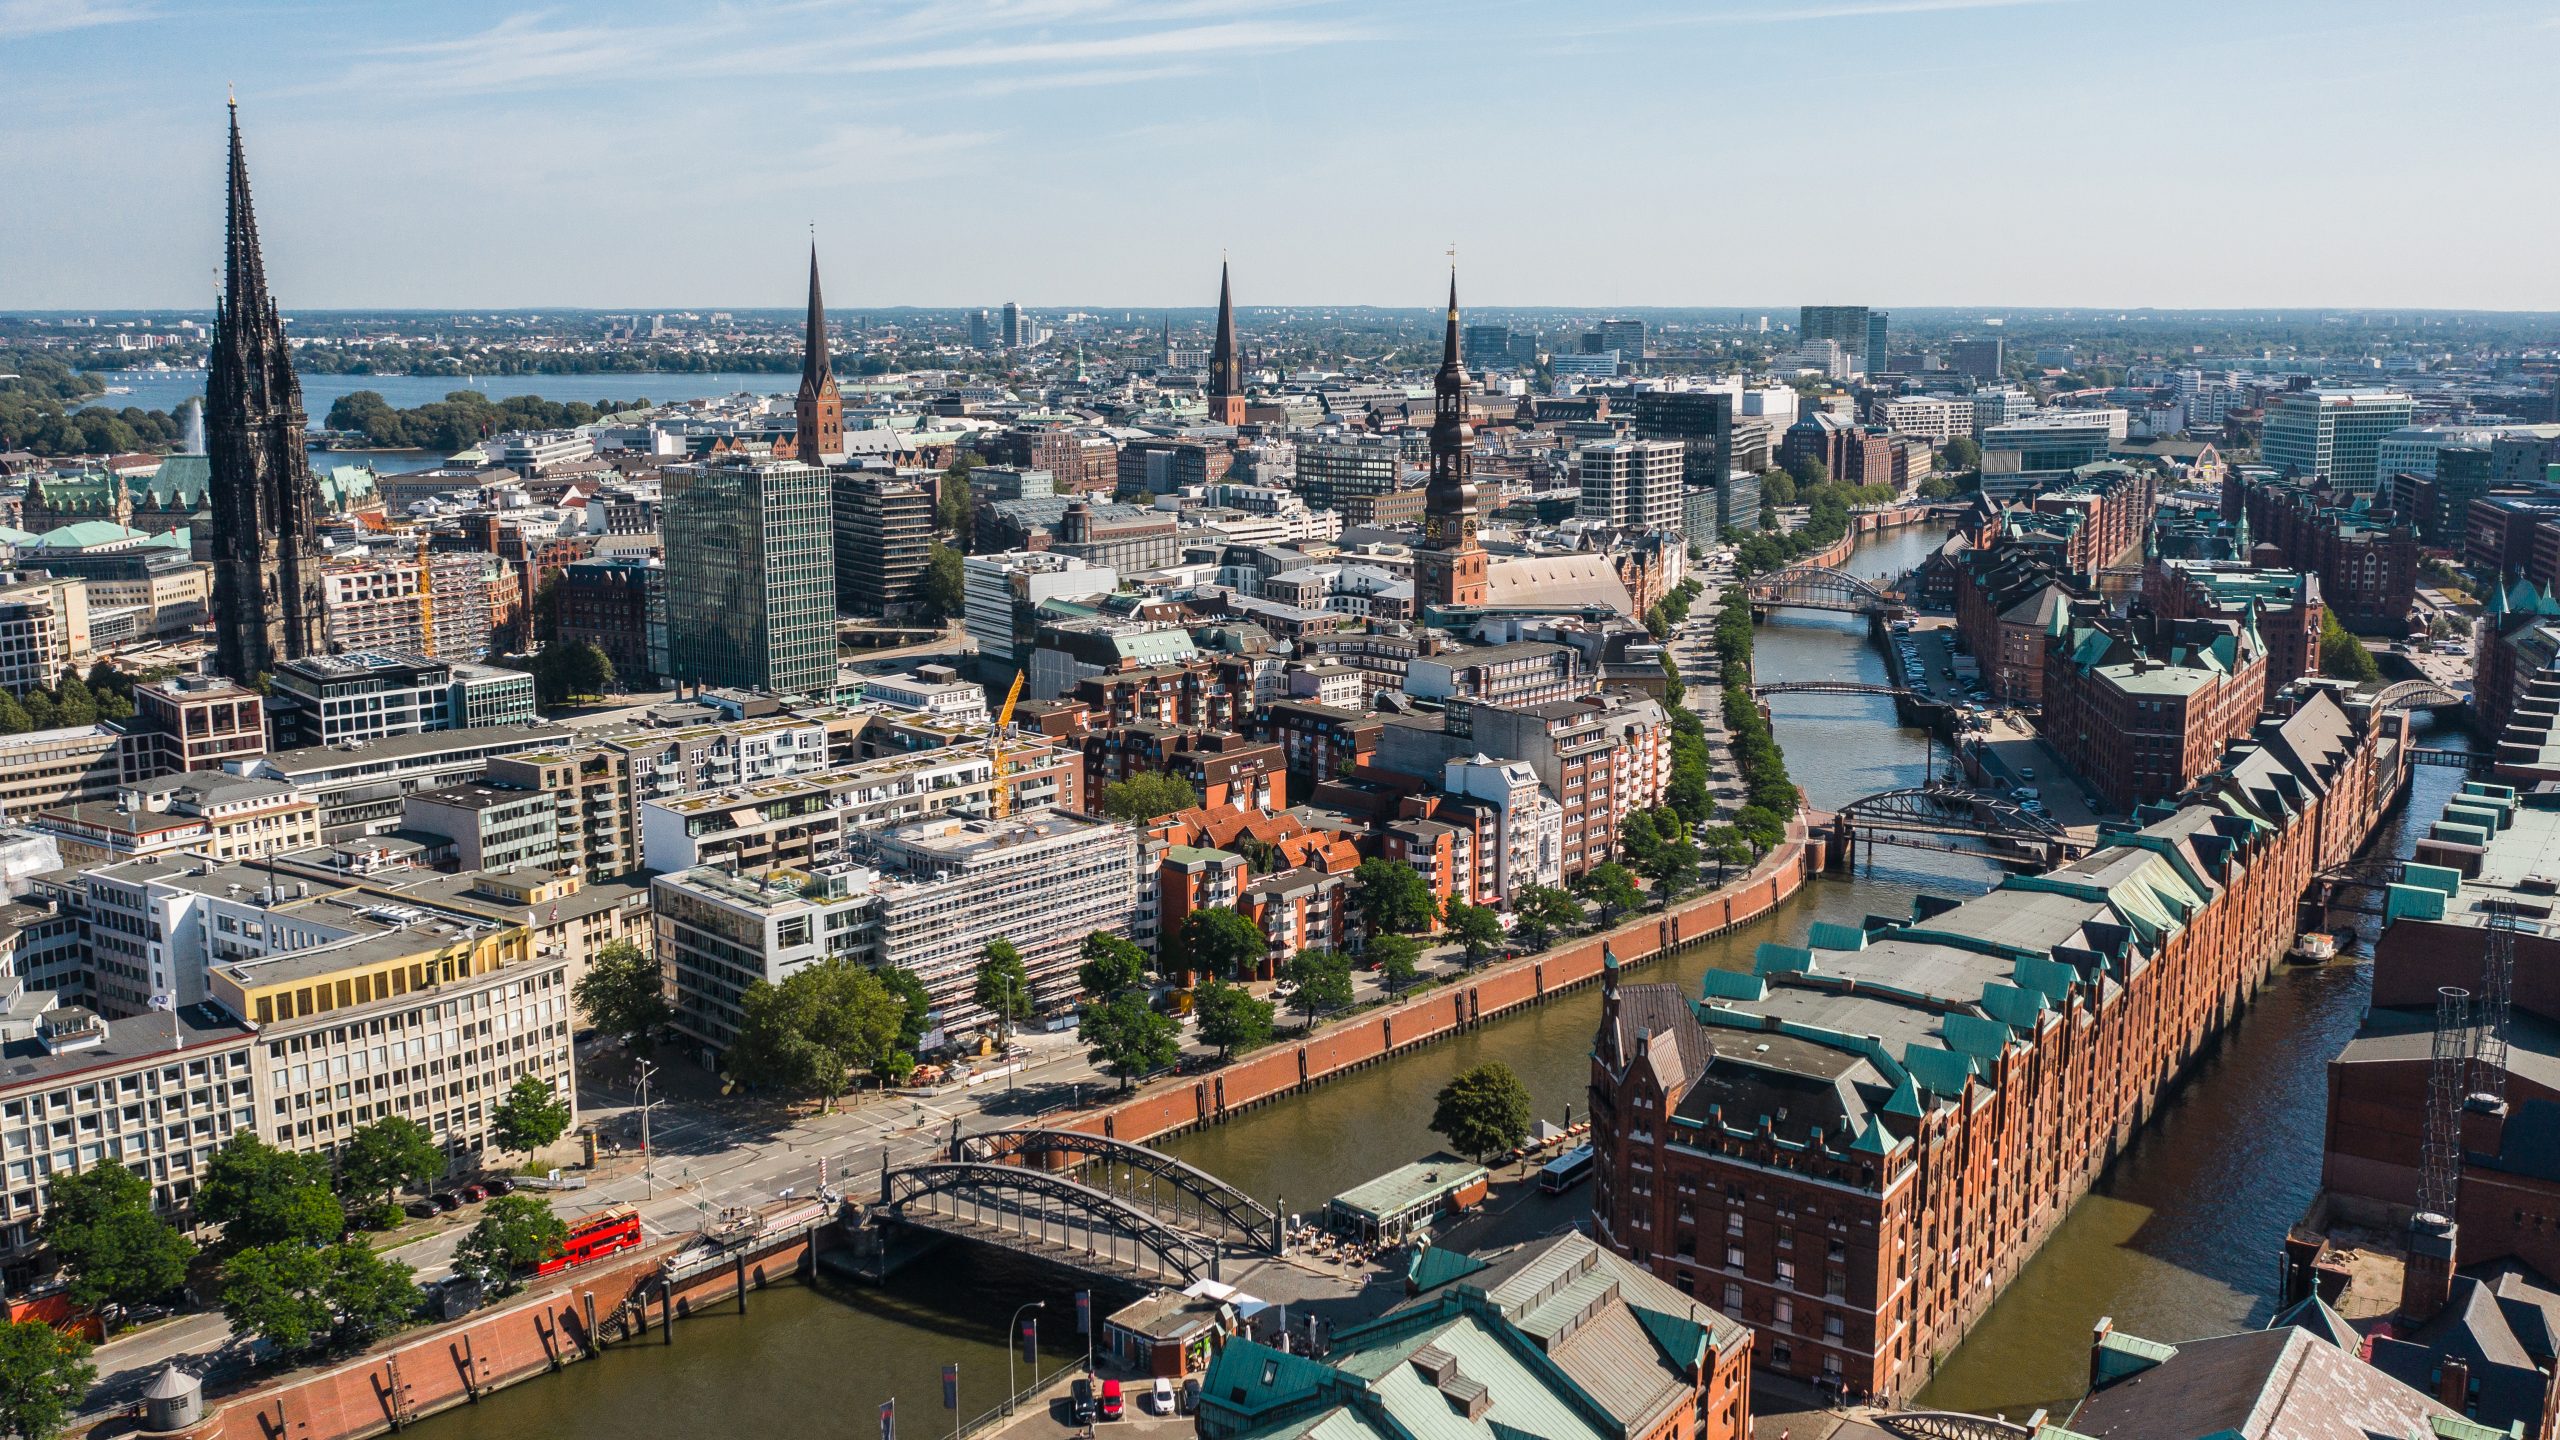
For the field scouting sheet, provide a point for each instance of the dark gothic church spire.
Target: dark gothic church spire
(1226, 361)
(1451, 568)
(819, 411)
(264, 501)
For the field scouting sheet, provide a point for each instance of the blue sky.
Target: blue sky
(1104, 152)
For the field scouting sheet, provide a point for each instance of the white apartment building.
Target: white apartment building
(533, 452)
(1634, 483)
(1998, 405)
(1934, 418)
(1042, 880)
(44, 630)
(1530, 846)
(1000, 584)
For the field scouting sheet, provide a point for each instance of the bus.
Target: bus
(593, 1237)
(1566, 1170)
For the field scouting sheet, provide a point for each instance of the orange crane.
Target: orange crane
(426, 599)
(995, 743)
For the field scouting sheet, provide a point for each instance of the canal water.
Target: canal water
(2179, 1240)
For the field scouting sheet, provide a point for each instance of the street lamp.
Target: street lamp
(1013, 1334)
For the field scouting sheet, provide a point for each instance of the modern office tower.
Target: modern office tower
(1489, 342)
(1226, 361)
(1337, 468)
(1632, 482)
(1878, 323)
(1009, 326)
(1846, 325)
(751, 582)
(1977, 359)
(267, 606)
(819, 408)
(883, 542)
(981, 334)
(2336, 433)
(1624, 336)
(1450, 567)
(1701, 420)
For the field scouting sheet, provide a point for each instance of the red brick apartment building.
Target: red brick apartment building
(1855, 1145)
(2142, 708)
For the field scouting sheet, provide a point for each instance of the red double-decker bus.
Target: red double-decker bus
(593, 1237)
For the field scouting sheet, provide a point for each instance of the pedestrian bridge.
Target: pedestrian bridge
(1818, 587)
(1947, 816)
(1830, 687)
(1081, 1201)
(2419, 695)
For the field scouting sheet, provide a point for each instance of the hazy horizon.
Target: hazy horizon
(2252, 157)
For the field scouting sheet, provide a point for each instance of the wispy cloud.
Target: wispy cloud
(25, 19)
(1829, 10)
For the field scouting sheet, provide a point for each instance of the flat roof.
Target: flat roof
(1410, 1187)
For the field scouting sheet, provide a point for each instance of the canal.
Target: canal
(2179, 1239)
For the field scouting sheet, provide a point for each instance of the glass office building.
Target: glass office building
(751, 585)
(2336, 433)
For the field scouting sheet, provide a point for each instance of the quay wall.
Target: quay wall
(409, 1377)
(1172, 1106)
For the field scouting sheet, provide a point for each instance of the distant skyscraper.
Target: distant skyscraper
(1450, 568)
(820, 406)
(267, 605)
(980, 334)
(1877, 324)
(1009, 326)
(1977, 359)
(751, 584)
(1226, 362)
(1847, 324)
(1624, 336)
(2336, 433)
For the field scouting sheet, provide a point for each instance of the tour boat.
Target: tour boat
(2313, 946)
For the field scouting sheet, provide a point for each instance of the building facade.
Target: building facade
(751, 595)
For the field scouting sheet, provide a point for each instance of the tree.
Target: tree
(624, 993)
(1319, 980)
(14, 719)
(1483, 1111)
(946, 582)
(44, 1375)
(1761, 826)
(585, 669)
(954, 506)
(1474, 926)
(515, 1232)
(1224, 943)
(369, 1294)
(1230, 1017)
(1004, 985)
(1808, 471)
(279, 1293)
(265, 1196)
(1392, 897)
(1542, 910)
(1127, 1037)
(1397, 958)
(1146, 795)
(100, 1222)
(915, 1018)
(1724, 845)
(1111, 965)
(1673, 863)
(385, 1155)
(2343, 656)
(817, 1027)
(532, 1116)
(1960, 453)
(1777, 487)
(1612, 887)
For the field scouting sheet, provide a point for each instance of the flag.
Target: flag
(951, 1387)
(163, 1000)
(889, 1418)
(1084, 1312)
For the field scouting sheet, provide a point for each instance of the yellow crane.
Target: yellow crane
(426, 599)
(995, 743)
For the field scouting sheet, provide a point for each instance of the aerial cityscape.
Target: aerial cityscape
(1361, 819)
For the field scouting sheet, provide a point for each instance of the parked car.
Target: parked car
(472, 1194)
(1080, 1402)
(1110, 1408)
(421, 1209)
(446, 1201)
(1160, 1399)
(501, 1185)
(1191, 1395)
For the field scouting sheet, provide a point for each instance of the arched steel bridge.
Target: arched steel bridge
(2418, 695)
(1818, 587)
(1079, 1200)
(1941, 816)
(1948, 1425)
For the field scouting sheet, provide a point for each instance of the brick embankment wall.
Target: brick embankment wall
(1170, 1107)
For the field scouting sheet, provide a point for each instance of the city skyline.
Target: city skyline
(1333, 153)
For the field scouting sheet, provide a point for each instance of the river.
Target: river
(2178, 1240)
(168, 389)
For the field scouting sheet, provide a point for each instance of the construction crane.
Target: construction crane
(426, 600)
(995, 746)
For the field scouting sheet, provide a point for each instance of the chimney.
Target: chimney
(2426, 1283)
(2453, 1385)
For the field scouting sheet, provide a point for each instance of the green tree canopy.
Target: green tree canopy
(1393, 897)
(261, 1195)
(1230, 1017)
(915, 1016)
(1397, 958)
(514, 1233)
(624, 993)
(298, 1296)
(1483, 1111)
(44, 1375)
(1541, 910)
(1808, 471)
(2343, 656)
(1612, 887)
(99, 1221)
(385, 1155)
(1319, 981)
(532, 1116)
(1147, 795)
(1004, 985)
(946, 582)
(1672, 864)
(1127, 1037)
(1111, 965)
(816, 1028)
(370, 1294)
(1961, 453)
(1222, 942)
(1724, 845)
(1475, 927)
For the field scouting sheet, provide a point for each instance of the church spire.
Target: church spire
(1226, 364)
(816, 373)
(818, 413)
(1451, 568)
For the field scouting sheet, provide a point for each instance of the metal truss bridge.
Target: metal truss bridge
(1818, 587)
(1951, 817)
(1830, 687)
(1081, 1201)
